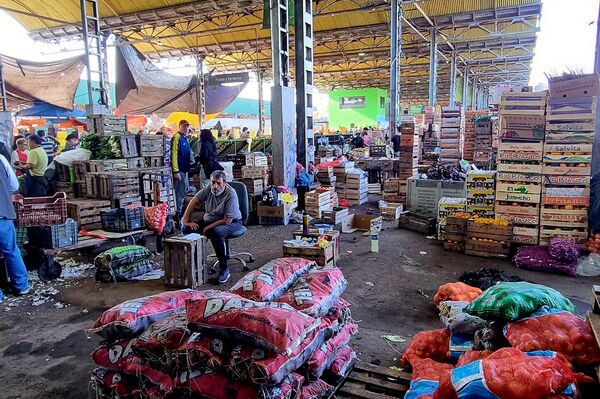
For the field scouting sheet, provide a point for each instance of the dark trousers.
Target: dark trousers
(35, 186)
(217, 238)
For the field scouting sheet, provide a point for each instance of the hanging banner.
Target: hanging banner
(214, 80)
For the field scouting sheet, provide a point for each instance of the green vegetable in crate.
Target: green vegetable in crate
(91, 142)
(119, 256)
(512, 301)
(115, 146)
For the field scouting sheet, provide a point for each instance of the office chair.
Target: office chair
(242, 194)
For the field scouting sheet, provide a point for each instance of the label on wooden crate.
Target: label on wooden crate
(569, 137)
(519, 188)
(562, 219)
(548, 158)
(565, 170)
(517, 197)
(517, 210)
(530, 147)
(567, 180)
(519, 156)
(566, 192)
(520, 219)
(525, 231)
(575, 201)
(523, 177)
(524, 239)
(569, 148)
(518, 167)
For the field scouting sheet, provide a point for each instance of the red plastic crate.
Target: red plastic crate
(40, 211)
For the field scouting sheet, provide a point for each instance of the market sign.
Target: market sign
(352, 102)
(242, 77)
(415, 109)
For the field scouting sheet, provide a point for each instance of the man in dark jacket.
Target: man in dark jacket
(181, 163)
(396, 143)
(8, 238)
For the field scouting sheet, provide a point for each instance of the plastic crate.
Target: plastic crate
(55, 236)
(123, 219)
(424, 195)
(41, 211)
(21, 233)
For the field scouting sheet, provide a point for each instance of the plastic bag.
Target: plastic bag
(512, 301)
(273, 326)
(539, 259)
(126, 272)
(510, 374)
(485, 278)
(432, 344)
(563, 249)
(120, 256)
(589, 265)
(453, 317)
(132, 317)
(456, 292)
(272, 279)
(317, 292)
(555, 330)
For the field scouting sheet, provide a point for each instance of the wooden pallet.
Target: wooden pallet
(373, 382)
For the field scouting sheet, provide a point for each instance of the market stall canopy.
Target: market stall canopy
(46, 110)
(54, 82)
(143, 88)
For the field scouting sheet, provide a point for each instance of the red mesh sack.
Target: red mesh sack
(132, 317)
(316, 390)
(272, 279)
(115, 355)
(273, 326)
(471, 356)
(218, 386)
(342, 362)
(156, 377)
(120, 385)
(456, 292)
(317, 292)
(325, 354)
(267, 368)
(427, 369)
(558, 331)
(162, 338)
(156, 217)
(201, 351)
(432, 344)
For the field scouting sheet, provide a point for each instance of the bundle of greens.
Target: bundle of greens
(105, 147)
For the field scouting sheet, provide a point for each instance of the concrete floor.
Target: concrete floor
(45, 350)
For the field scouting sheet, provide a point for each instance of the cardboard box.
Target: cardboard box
(584, 86)
(358, 222)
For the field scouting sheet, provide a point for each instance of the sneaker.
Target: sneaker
(25, 291)
(223, 276)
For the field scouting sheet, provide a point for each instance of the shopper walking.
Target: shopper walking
(36, 184)
(208, 153)
(48, 144)
(181, 163)
(8, 238)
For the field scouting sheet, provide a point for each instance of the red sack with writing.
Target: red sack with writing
(431, 344)
(342, 362)
(202, 351)
(273, 326)
(117, 383)
(132, 317)
(325, 354)
(114, 355)
(162, 339)
(156, 377)
(272, 279)
(316, 292)
(316, 390)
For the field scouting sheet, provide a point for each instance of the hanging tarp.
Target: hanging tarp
(54, 82)
(143, 88)
(46, 110)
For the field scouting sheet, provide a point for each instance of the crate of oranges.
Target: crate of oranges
(488, 237)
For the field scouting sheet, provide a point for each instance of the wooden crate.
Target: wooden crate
(106, 165)
(489, 232)
(87, 212)
(488, 249)
(412, 221)
(185, 261)
(154, 162)
(63, 172)
(109, 125)
(152, 145)
(373, 382)
(335, 216)
(80, 169)
(335, 235)
(112, 185)
(129, 148)
(136, 163)
(126, 202)
(323, 256)
(65, 187)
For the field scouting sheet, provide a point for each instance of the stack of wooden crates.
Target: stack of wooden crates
(409, 157)
(470, 134)
(570, 126)
(519, 164)
(451, 137)
(481, 193)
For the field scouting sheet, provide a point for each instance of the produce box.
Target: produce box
(519, 156)
(253, 172)
(522, 127)
(391, 212)
(517, 209)
(314, 233)
(578, 234)
(488, 240)
(254, 186)
(40, 211)
(112, 185)
(108, 125)
(564, 169)
(567, 180)
(322, 256)
(564, 215)
(152, 145)
(106, 165)
(87, 212)
(530, 220)
(54, 236)
(582, 86)
(517, 197)
(335, 216)
(276, 211)
(569, 127)
(358, 222)
(516, 167)
(129, 148)
(185, 261)
(521, 177)
(415, 222)
(423, 195)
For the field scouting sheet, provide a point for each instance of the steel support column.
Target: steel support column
(596, 147)
(303, 37)
(94, 59)
(453, 79)
(395, 54)
(433, 66)
(200, 90)
(474, 93)
(283, 110)
(261, 102)
(465, 90)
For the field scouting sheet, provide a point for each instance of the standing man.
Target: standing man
(396, 143)
(48, 144)
(36, 184)
(72, 142)
(181, 163)
(222, 217)
(8, 238)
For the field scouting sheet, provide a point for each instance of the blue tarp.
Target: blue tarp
(45, 110)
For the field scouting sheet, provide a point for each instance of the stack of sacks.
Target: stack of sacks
(560, 256)
(123, 263)
(530, 343)
(281, 331)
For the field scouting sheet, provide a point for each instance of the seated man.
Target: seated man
(221, 218)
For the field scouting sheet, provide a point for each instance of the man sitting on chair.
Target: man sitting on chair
(221, 218)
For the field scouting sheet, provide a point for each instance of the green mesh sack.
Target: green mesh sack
(511, 301)
(125, 272)
(119, 256)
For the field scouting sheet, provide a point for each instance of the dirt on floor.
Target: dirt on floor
(46, 349)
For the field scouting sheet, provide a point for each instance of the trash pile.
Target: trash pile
(514, 340)
(123, 263)
(281, 332)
